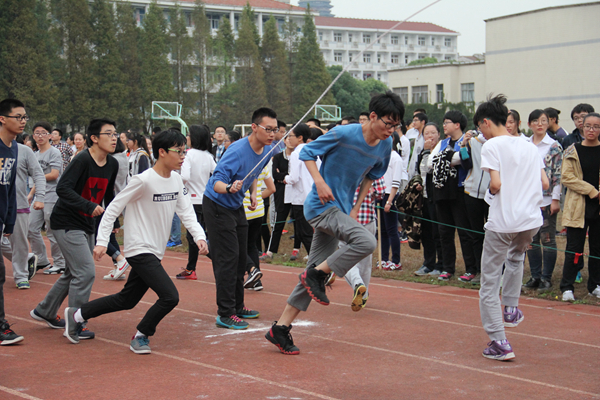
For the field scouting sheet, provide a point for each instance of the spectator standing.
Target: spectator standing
(554, 129)
(65, 150)
(577, 115)
(219, 147)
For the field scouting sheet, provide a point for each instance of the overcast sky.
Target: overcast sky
(463, 16)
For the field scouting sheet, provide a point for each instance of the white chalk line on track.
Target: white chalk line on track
(18, 394)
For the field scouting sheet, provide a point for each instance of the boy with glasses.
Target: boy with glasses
(88, 180)
(577, 115)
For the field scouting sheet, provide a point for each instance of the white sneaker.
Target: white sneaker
(111, 277)
(596, 292)
(568, 295)
(121, 268)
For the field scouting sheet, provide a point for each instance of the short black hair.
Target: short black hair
(258, 115)
(156, 130)
(304, 131)
(315, 120)
(419, 110)
(199, 138)
(387, 104)
(331, 126)
(552, 112)
(349, 118)
(493, 109)
(42, 124)
(60, 132)
(20, 138)
(220, 126)
(315, 133)
(365, 113)
(95, 127)
(281, 124)
(535, 114)
(582, 107)
(166, 139)
(458, 118)
(7, 105)
(421, 117)
(234, 136)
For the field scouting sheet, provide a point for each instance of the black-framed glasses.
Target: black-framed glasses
(111, 134)
(388, 125)
(269, 130)
(20, 118)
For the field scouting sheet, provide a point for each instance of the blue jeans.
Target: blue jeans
(541, 262)
(389, 233)
(176, 229)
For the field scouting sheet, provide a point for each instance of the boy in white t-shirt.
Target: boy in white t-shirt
(515, 196)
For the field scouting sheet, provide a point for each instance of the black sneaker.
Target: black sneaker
(54, 323)
(253, 276)
(545, 286)
(257, 286)
(314, 282)
(247, 313)
(32, 266)
(7, 335)
(233, 322)
(280, 336)
(532, 283)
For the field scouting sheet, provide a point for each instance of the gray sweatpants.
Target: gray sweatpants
(79, 274)
(36, 220)
(361, 272)
(330, 227)
(499, 249)
(16, 248)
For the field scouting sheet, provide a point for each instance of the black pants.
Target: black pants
(265, 232)
(254, 226)
(302, 227)
(575, 244)
(477, 213)
(146, 272)
(228, 236)
(193, 248)
(281, 216)
(454, 212)
(430, 237)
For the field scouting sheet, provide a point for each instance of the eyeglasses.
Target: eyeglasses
(576, 119)
(111, 134)
(388, 125)
(20, 118)
(448, 123)
(41, 133)
(269, 130)
(181, 152)
(591, 127)
(539, 121)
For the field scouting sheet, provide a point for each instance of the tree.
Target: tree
(277, 72)
(350, 95)
(422, 61)
(249, 13)
(202, 47)
(110, 94)
(224, 52)
(156, 76)
(310, 77)
(181, 53)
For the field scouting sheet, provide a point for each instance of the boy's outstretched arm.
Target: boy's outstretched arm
(324, 191)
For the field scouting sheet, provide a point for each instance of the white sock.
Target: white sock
(78, 317)
(138, 334)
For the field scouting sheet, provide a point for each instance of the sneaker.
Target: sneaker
(568, 296)
(140, 345)
(233, 322)
(177, 243)
(247, 313)
(545, 286)
(330, 279)
(499, 350)
(266, 258)
(596, 292)
(563, 232)
(32, 265)
(357, 301)
(364, 303)
(422, 271)
(7, 335)
(170, 243)
(532, 283)
(435, 272)
(395, 267)
(579, 278)
(468, 277)
(71, 326)
(445, 276)
(314, 282)
(512, 319)
(84, 333)
(294, 255)
(280, 336)
(121, 268)
(42, 266)
(53, 270)
(187, 274)
(111, 277)
(383, 265)
(253, 276)
(55, 323)
(23, 285)
(476, 280)
(403, 237)
(257, 286)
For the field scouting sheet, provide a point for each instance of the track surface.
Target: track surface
(412, 341)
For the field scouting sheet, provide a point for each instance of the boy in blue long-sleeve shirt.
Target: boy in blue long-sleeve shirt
(12, 122)
(353, 155)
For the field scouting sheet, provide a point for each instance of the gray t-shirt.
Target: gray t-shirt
(28, 166)
(49, 160)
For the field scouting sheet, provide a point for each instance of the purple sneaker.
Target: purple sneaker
(512, 319)
(499, 350)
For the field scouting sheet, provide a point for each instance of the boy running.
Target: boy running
(517, 178)
(352, 155)
(152, 198)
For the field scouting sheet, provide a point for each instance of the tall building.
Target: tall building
(322, 6)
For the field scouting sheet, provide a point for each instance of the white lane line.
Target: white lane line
(18, 393)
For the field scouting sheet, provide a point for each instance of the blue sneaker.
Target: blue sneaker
(23, 285)
(579, 278)
(233, 322)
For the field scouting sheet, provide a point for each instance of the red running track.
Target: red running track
(412, 341)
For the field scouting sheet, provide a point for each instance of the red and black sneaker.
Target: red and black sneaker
(314, 282)
(281, 337)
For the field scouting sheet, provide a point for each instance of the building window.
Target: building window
(350, 57)
(367, 76)
(467, 91)
(349, 38)
(394, 40)
(421, 57)
(439, 91)
(378, 76)
(406, 60)
(419, 94)
(421, 40)
(405, 40)
(337, 56)
(448, 58)
(367, 39)
(337, 37)
(320, 36)
(140, 13)
(188, 19)
(214, 20)
(403, 93)
(378, 58)
(433, 41)
(448, 42)
(367, 57)
(395, 59)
